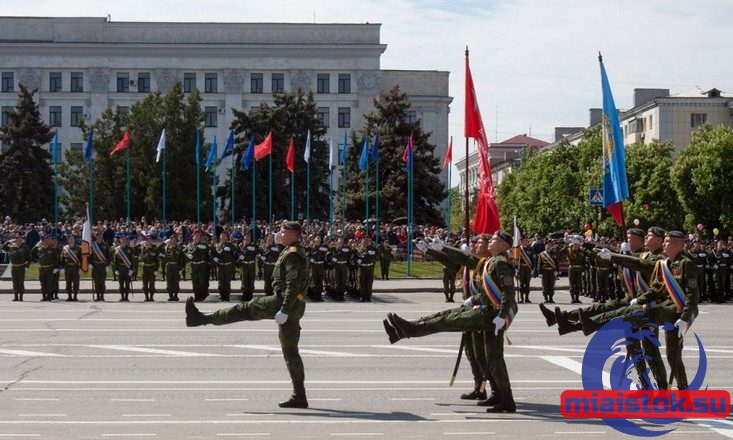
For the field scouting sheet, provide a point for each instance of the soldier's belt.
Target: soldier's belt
(171, 263)
(149, 264)
(269, 264)
(224, 264)
(17, 264)
(249, 262)
(700, 265)
(575, 266)
(45, 265)
(197, 262)
(366, 265)
(71, 265)
(317, 262)
(341, 262)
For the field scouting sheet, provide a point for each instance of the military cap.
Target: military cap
(504, 236)
(676, 234)
(292, 226)
(636, 231)
(656, 230)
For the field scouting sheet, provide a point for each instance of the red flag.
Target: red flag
(290, 157)
(121, 145)
(408, 150)
(264, 148)
(448, 154)
(487, 210)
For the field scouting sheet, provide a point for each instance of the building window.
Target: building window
(189, 82)
(8, 82)
(77, 82)
(256, 83)
(210, 114)
(143, 82)
(344, 83)
(77, 113)
(54, 84)
(344, 117)
(123, 82)
(698, 119)
(278, 83)
(211, 83)
(54, 116)
(323, 83)
(123, 111)
(322, 114)
(6, 111)
(651, 126)
(76, 146)
(410, 117)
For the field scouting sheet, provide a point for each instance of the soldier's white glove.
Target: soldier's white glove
(117, 273)
(216, 260)
(281, 317)
(279, 237)
(189, 256)
(498, 324)
(681, 327)
(634, 302)
(55, 271)
(436, 244)
(421, 245)
(226, 248)
(468, 303)
(604, 254)
(129, 273)
(241, 257)
(334, 259)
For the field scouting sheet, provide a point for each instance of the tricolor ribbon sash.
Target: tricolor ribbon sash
(673, 287)
(121, 253)
(548, 259)
(496, 296)
(98, 252)
(72, 255)
(629, 282)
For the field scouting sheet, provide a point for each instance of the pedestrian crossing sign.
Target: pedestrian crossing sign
(595, 197)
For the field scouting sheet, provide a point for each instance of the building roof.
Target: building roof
(521, 140)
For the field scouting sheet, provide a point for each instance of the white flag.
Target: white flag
(161, 145)
(517, 234)
(331, 153)
(307, 152)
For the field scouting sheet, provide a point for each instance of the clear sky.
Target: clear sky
(534, 62)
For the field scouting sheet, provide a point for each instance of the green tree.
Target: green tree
(292, 115)
(390, 119)
(27, 192)
(702, 177)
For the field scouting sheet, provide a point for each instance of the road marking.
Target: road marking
(129, 435)
(225, 400)
(412, 398)
(244, 434)
(724, 427)
(470, 433)
(41, 415)
(28, 353)
(132, 400)
(20, 435)
(152, 350)
(304, 351)
(356, 434)
(146, 415)
(28, 399)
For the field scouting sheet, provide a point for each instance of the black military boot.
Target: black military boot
(15, 297)
(391, 332)
(194, 317)
(298, 399)
(548, 314)
(588, 325)
(494, 396)
(526, 299)
(506, 405)
(564, 326)
(476, 394)
(401, 325)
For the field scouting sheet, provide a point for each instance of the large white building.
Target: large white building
(81, 66)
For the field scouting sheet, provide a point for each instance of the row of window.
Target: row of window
(211, 82)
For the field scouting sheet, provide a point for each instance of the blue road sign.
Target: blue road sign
(595, 197)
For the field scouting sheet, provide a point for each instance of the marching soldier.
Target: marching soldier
(269, 257)
(317, 257)
(98, 261)
(48, 265)
(248, 260)
(20, 259)
(173, 259)
(290, 281)
(122, 266)
(548, 268)
(524, 270)
(198, 254)
(224, 256)
(71, 261)
(366, 255)
(699, 256)
(149, 255)
(576, 255)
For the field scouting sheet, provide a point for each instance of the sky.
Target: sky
(534, 62)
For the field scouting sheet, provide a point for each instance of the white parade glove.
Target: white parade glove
(241, 257)
(334, 259)
(129, 273)
(468, 303)
(681, 326)
(279, 237)
(634, 302)
(281, 317)
(117, 273)
(55, 271)
(436, 244)
(421, 245)
(226, 248)
(604, 253)
(189, 256)
(498, 324)
(216, 260)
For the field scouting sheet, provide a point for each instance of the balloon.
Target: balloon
(588, 233)
(716, 231)
(700, 227)
(636, 222)
(586, 227)
(471, 224)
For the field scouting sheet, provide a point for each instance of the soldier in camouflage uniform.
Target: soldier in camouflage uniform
(269, 257)
(317, 258)
(723, 261)
(340, 257)
(122, 265)
(47, 257)
(490, 311)
(366, 256)
(198, 254)
(225, 254)
(98, 260)
(172, 260)
(71, 262)
(149, 255)
(20, 259)
(287, 307)
(524, 270)
(248, 253)
(385, 259)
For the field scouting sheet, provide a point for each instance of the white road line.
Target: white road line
(411, 398)
(721, 426)
(19, 435)
(304, 351)
(132, 400)
(356, 434)
(470, 433)
(146, 415)
(226, 400)
(296, 421)
(28, 353)
(576, 367)
(129, 435)
(28, 399)
(152, 350)
(42, 415)
(244, 434)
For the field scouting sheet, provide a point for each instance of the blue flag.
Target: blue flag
(55, 148)
(615, 185)
(364, 159)
(198, 147)
(211, 158)
(88, 147)
(248, 153)
(229, 147)
(375, 148)
(344, 157)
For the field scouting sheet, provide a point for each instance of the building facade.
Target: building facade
(82, 66)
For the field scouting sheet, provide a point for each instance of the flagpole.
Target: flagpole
(447, 213)
(466, 223)
(165, 189)
(269, 190)
(330, 194)
(376, 196)
(292, 194)
(55, 158)
(308, 191)
(409, 213)
(198, 179)
(127, 181)
(254, 201)
(233, 189)
(366, 185)
(213, 194)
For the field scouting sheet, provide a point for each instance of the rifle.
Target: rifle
(464, 336)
